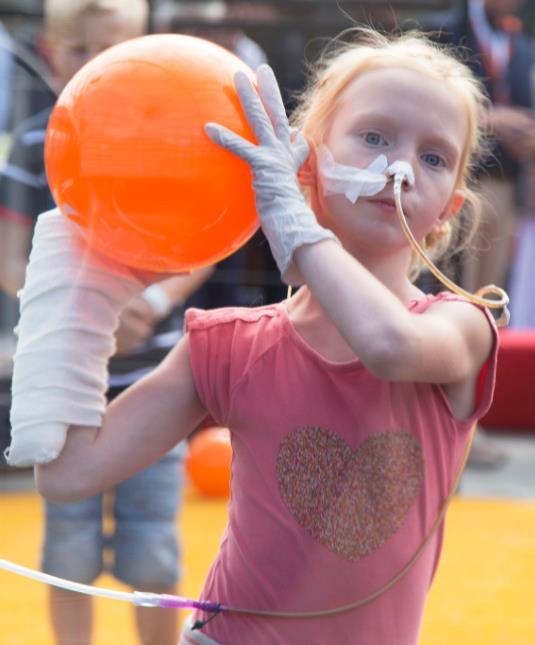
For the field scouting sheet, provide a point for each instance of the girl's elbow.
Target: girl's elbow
(386, 358)
(382, 365)
(57, 486)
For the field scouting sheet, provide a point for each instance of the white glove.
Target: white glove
(69, 311)
(287, 220)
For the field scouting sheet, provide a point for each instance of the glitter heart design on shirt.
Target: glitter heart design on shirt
(352, 501)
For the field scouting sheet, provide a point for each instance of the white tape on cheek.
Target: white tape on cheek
(338, 179)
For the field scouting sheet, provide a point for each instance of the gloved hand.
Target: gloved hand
(69, 308)
(287, 220)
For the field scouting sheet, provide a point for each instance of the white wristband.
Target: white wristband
(158, 299)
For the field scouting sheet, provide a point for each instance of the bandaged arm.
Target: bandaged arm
(69, 310)
(139, 427)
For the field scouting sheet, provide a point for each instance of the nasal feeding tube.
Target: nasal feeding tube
(502, 299)
(339, 179)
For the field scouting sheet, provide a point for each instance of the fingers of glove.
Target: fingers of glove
(300, 147)
(231, 141)
(254, 110)
(270, 94)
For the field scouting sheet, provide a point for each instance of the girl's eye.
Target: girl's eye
(433, 160)
(373, 138)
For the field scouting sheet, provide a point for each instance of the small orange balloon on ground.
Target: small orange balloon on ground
(127, 157)
(208, 461)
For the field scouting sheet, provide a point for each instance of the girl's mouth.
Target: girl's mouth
(386, 204)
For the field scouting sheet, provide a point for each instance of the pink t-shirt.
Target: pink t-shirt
(337, 477)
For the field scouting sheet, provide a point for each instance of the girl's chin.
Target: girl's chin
(377, 242)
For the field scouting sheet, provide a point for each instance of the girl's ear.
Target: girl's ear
(441, 228)
(307, 174)
(454, 206)
(458, 202)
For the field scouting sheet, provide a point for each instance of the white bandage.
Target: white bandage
(339, 179)
(69, 307)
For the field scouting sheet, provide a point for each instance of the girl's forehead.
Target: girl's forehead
(404, 92)
(385, 83)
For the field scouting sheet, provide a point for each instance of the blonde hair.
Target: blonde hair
(373, 50)
(59, 15)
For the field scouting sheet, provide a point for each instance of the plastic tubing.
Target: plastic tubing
(478, 298)
(139, 598)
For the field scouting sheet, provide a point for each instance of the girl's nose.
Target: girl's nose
(406, 184)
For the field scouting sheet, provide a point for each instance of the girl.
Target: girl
(350, 404)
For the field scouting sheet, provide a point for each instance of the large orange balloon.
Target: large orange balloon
(127, 156)
(208, 461)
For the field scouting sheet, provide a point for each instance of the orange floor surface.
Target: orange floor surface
(483, 593)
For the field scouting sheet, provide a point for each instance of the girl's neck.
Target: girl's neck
(391, 270)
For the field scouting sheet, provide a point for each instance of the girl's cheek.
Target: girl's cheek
(365, 155)
(436, 183)
(355, 152)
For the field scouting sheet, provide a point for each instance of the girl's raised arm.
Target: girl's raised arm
(448, 343)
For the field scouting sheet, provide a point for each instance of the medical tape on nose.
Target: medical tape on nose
(402, 172)
(352, 182)
(339, 179)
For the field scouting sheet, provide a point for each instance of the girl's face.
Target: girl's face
(405, 116)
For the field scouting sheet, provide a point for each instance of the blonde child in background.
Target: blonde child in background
(143, 542)
(351, 403)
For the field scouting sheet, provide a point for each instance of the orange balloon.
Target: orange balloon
(208, 461)
(127, 157)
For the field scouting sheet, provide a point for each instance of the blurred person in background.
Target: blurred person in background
(144, 542)
(493, 44)
(501, 55)
(6, 67)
